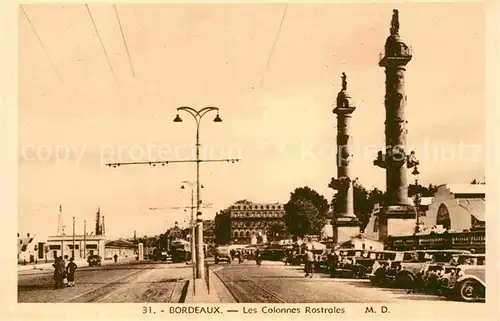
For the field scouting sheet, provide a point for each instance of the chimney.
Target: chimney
(98, 222)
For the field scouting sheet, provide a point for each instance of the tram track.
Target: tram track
(104, 291)
(244, 293)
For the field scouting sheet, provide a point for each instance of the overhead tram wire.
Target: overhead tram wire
(41, 43)
(124, 41)
(274, 46)
(102, 45)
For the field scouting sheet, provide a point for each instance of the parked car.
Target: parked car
(94, 260)
(412, 273)
(347, 261)
(223, 253)
(468, 283)
(365, 265)
(452, 273)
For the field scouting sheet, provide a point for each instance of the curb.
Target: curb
(198, 291)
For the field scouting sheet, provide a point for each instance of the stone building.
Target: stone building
(400, 226)
(243, 220)
(124, 249)
(61, 245)
(458, 207)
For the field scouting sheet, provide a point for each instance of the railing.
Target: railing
(454, 240)
(401, 52)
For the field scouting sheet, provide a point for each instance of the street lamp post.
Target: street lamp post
(192, 224)
(73, 251)
(198, 115)
(417, 200)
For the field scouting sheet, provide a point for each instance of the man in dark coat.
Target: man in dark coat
(59, 271)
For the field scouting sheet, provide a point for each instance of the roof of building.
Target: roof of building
(466, 188)
(120, 243)
(475, 207)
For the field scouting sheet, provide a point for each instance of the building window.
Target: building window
(236, 234)
(248, 233)
(91, 246)
(54, 247)
(443, 217)
(375, 225)
(363, 246)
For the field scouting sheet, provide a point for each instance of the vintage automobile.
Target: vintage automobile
(365, 265)
(473, 286)
(466, 283)
(320, 260)
(94, 260)
(347, 261)
(223, 253)
(413, 273)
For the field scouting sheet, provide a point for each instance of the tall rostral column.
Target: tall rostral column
(346, 223)
(394, 59)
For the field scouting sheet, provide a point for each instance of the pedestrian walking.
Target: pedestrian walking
(70, 272)
(333, 260)
(309, 263)
(59, 272)
(115, 257)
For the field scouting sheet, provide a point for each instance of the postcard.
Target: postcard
(251, 160)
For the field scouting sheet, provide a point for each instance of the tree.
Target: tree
(222, 228)
(277, 231)
(364, 202)
(305, 212)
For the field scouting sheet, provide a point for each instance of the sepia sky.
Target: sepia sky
(76, 113)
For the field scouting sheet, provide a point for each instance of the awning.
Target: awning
(475, 206)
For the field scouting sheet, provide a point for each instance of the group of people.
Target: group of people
(64, 272)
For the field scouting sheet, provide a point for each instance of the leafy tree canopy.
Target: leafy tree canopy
(305, 212)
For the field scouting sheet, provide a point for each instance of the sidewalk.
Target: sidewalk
(200, 293)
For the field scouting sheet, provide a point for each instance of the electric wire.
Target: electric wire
(274, 45)
(102, 44)
(124, 41)
(41, 43)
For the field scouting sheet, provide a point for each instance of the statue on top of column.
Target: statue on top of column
(395, 23)
(344, 81)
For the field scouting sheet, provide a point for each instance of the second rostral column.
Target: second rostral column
(395, 161)
(345, 221)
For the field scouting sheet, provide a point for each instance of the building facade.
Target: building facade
(209, 232)
(83, 246)
(244, 219)
(124, 250)
(398, 226)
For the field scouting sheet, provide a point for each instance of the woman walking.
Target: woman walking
(70, 271)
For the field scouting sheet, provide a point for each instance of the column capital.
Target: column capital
(380, 160)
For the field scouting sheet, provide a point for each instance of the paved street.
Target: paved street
(129, 282)
(273, 282)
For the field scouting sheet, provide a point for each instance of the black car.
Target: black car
(94, 260)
